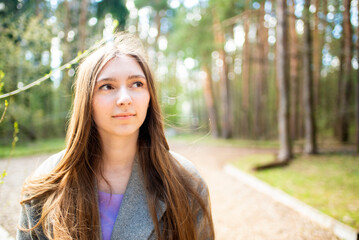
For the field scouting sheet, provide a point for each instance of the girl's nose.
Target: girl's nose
(124, 97)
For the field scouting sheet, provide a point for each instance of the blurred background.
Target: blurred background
(214, 61)
(276, 75)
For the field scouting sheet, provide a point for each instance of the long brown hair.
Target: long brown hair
(66, 195)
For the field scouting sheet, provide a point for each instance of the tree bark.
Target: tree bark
(83, 25)
(357, 95)
(285, 146)
(224, 82)
(66, 47)
(261, 74)
(344, 94)
(310, 145)
(245, 74)
(317, 55)
(209, 99)
(294, 79)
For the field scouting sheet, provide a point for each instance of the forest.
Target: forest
(265, 69)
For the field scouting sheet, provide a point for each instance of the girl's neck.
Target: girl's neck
(116, 164)
(118, 152)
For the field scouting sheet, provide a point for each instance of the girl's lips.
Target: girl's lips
(124, 115)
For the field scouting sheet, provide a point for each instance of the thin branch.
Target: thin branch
(47, 76)
(3, 114)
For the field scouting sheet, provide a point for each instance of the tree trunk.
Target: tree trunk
(261, 74)
(344, 94)
(357, 96)
(66, 47)
(245, 75)
(224, 82)
(285, 146)
(83, 25)
(294, 79)
(209, 99)
(317, 55)
(310, 145)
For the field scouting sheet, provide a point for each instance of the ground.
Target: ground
(239, 212)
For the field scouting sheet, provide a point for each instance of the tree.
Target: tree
(285, 149)
(159, 7)
(310, 145)
(246, 56)
(294, 67)
(219, 40)
(82, 25)
(261, 63)
(317, 54)
(25, 42)
(345, 79)
(116, 8)
(209, 99)
(357, 95)
(198, 46)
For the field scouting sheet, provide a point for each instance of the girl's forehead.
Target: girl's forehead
(121, 65)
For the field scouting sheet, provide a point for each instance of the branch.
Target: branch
(47, 76)
(3, 114)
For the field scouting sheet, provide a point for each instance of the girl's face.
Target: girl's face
(120, 98)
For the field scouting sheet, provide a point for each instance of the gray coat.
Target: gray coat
(133, 220)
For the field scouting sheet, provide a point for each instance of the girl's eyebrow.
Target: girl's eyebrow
(136, 76)
(110, 79)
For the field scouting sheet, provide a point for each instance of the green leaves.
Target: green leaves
(15, 137)
(2, 74)
(2, 176)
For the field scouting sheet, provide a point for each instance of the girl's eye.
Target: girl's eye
(106, 87)
(137, 84)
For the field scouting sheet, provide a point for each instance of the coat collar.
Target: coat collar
(134, 219)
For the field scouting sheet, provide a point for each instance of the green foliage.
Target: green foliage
(156, 5)
(199, 45)
(228, 8)
(2, 74)
(15, 137)
(6, 104)
(328, 182)
(25, 40)
(2, 176)
(117, 9)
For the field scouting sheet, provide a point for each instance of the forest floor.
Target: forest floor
(239, 211)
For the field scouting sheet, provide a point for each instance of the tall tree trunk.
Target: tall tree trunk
(209, 99)
(317, 54)
(357, 95)
(345, 87)
(294, 79)
(224, 82)
(66, 47)
(261, 74)
(310, 145)
(245, 73)
(285, 148)
(82, 25)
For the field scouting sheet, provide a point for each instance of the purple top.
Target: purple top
(109, 206)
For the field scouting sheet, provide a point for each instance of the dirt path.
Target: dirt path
(239, 212)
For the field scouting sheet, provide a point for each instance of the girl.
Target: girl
(117, 178)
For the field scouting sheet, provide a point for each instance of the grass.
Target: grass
(32, 148)
(328, 182)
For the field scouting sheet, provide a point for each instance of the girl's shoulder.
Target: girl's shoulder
(49, 164)
(187, 165)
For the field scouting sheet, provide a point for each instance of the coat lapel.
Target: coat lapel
(134, 220)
